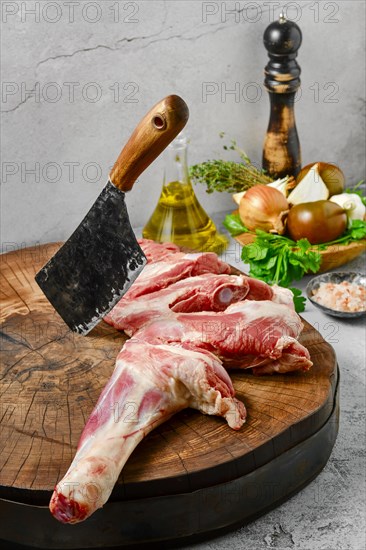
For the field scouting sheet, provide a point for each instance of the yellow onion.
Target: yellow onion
(265, 208)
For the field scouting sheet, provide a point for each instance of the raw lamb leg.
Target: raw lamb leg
(248, 334)
(208, 292)
(150, 383)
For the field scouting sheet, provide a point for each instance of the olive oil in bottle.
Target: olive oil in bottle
(178, 216)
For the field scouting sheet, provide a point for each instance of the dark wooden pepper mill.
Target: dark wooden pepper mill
(281, 151)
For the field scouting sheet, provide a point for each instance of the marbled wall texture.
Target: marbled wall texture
(78, 75)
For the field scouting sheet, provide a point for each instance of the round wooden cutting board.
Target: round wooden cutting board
(190, 476)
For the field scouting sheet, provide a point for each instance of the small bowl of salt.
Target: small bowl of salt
(340, 294)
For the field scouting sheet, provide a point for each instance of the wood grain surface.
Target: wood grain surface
(151, 136)
(51, 379)
(334, 256)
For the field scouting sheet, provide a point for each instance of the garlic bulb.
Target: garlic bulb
(311, 188)
(352, 204)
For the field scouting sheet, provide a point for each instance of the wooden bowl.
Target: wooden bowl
(334, 256)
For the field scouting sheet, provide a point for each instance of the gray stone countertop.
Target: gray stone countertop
(329, 513)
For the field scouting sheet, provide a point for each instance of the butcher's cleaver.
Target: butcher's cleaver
(101, 259)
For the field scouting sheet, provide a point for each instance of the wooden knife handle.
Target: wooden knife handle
(154, 132)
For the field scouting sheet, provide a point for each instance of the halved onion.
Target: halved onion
(331, 174)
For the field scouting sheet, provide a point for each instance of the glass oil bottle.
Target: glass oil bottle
(178, 216)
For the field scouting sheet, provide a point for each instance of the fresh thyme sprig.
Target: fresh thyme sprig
(226, 175)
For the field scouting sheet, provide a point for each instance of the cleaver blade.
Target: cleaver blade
(91, 272)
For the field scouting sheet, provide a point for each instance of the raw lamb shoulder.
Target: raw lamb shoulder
(155, 252)
(208, 292)
(173, 268)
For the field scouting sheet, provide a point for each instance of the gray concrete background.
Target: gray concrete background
(97, 67)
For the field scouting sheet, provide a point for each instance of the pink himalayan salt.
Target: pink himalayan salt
(343, 296)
